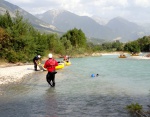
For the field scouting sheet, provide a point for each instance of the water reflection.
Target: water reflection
(50, 100)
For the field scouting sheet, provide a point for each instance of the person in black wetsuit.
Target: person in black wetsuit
(50, 65)
(35, 61)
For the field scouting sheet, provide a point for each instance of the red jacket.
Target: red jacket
(50, 65)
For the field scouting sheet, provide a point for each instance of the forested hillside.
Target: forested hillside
(20, 42)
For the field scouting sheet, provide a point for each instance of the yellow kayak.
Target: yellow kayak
(67, 63)
(60, 66)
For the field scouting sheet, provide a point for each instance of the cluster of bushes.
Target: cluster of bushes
(136, 110)
(139, 45)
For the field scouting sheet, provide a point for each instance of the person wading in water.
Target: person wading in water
(50, 65)
(36, 60)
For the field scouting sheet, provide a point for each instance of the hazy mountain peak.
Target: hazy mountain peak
(101, 21)
(120, 19)
(55, 12)
(39, 24)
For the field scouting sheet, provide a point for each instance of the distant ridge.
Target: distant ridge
(125, 29)
(37, 23)
(116, 29)
(66, 20)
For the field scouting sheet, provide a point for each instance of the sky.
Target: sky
(132, 10)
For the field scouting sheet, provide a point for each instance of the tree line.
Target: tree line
(136, 46)
(19, 41)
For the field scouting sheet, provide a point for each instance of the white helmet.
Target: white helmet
(50, 55)
(39, 56)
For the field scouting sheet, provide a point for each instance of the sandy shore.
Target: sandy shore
(14, 73)
(111, 53)
(139, 57)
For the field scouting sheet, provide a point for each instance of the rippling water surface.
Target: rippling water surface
(77, 94)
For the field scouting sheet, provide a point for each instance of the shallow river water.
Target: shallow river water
(77, 94)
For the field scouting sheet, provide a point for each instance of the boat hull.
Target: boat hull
(60, 66)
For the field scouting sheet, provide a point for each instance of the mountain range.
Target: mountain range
(37, 23)
(65, 20)
(60, 21)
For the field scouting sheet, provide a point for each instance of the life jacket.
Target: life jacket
(51, 63)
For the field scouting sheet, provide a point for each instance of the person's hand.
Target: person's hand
(36, 62)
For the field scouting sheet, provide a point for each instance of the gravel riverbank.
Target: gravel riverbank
(14, 73)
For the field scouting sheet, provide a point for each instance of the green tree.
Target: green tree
(17, 42)
(76, 37)
(144, 43)
(6, 20)
(132, 47)
(117, 45)
(67, 45)
(107, 46)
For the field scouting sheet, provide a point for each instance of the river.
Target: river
(77, 94)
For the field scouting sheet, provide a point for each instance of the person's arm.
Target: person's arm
(39, 61)
(36, 61)
(45, 66)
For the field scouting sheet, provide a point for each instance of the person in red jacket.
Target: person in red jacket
(50, 65)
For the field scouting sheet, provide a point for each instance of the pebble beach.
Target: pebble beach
(14, 73)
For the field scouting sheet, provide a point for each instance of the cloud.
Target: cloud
(77, 6)
(129, 9)
(142, 3)
(21, 1)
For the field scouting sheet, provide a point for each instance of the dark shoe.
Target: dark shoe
(50, 84)
(53, 85)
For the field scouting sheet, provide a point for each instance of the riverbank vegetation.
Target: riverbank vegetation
(20, 42)
(136, 110)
